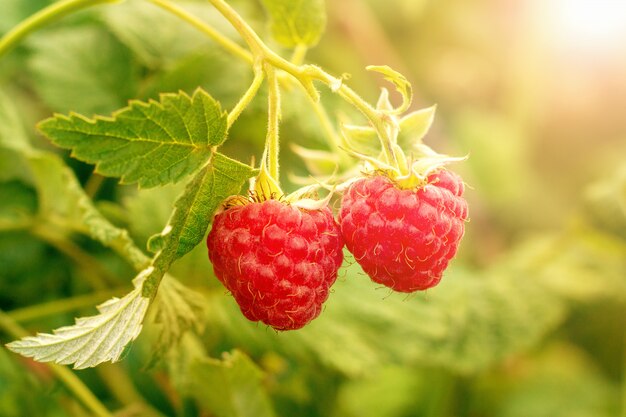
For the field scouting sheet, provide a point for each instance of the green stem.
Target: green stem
(42, 18)
(306, 73)
(52, 308)
(71, 381)
(273, 114)
(298, 54)
(247, 97)
(249, 36)
(376, 118)
(93, 185)
(226, 43)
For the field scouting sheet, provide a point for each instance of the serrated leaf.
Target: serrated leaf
(152, 143)
(296, 22)
(82, 69)
(236, 387)
(59, 194)
(178, 309)
(193, 211)
(95, 339)
(399, 81)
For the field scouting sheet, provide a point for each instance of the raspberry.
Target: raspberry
(404, 238)
(278, 261)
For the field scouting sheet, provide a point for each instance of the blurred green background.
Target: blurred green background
(530, 319)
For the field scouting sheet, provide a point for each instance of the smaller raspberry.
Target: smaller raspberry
(277, 260)
(404, 238)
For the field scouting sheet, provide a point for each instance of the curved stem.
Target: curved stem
(255, 43)
(69, 378)
(226, 43)
(247, 97)
(42, 18)
(306, 73)
(273, 114)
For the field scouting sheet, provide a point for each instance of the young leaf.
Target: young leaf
(193, 212)
(399, 81)
(95, 339)
(150, 143)
(414, 126)
(296, 22)
(236, 387)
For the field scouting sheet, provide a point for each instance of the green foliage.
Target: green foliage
(222, 178)
(92, 340)
(173, 138)
(236, 386)
(526, 321)
(296, 22)
(133, 22)
(67, 67)
(467, 324)
(177, 309)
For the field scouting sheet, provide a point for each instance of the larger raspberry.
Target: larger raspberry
(277, 260)
(404, 238)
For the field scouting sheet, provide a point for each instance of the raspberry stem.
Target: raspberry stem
(273, 114)
(247, 97)
(44, 17)
(212, 33)
(306, 74)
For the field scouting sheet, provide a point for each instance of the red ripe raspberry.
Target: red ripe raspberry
(277, 260)
(404, 239)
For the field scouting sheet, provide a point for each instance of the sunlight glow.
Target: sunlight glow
(589, 24)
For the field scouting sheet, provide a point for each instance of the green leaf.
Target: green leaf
(19, 202)
(150, 143)
(467, 323)
(61, 196)
(236, 387)
(178, 309)
(194, 209)
(399, 81)
(12, 133)
(148, 209)
(82, 69)
(296, 22)
(95, 339)
(414, 126)
(361, 139)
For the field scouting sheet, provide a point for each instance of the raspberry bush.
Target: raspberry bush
(134, 131)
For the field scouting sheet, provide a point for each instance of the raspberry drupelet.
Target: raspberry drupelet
(404, 238)
(277, 260)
